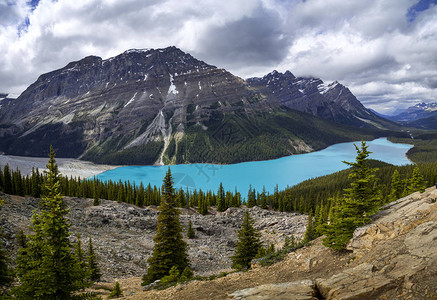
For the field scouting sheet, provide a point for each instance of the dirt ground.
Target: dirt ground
(310, 262)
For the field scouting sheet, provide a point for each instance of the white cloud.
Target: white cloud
(368, 45)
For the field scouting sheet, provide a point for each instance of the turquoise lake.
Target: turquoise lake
(285, 171)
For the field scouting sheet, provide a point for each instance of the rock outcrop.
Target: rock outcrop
(394, 257)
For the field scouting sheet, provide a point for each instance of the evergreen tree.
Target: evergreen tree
(309, 233)
(172, 276)
(248, 244)
(190, 232)
(186, 275)
(416, 182)
(36, 184)
(116, 291)
(358, 202)
(7, 180)
(181, 201)
(251, 199)
(46, 267)
(6, 275)
(396, 186)
(170, 249)
(81, 264)
(263, 197)
(94, 273)
(221, 204)
(96, 200)
(203, 205)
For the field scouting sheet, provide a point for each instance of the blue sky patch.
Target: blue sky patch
(417, 8)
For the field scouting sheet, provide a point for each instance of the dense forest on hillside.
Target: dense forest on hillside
(237, 137)
(307, 196)
(425, 146)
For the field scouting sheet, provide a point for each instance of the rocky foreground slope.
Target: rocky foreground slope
(122, 234)
(394, 257)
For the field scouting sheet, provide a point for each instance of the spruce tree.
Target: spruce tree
(170, 249)
(94, 273)
(47, 267)
(357, 204)
(6, 275)
(190, 232)
(396, 186)
(309, 232)
(81, 263)
(263, 197)
(251, 199)
(248, 244)
(221, 204)
(416, 182)
(7, 180)
(116, 291)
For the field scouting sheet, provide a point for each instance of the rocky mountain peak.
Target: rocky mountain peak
(153, 97)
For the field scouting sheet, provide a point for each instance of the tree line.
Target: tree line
(309, 195)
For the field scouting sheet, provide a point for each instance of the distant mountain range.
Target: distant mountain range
(165, 106)
(422, 115)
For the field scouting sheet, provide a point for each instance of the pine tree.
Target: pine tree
(81, 264)
(396, 186)
(7, 180)
(357, 204)
(190, 232)
(416, 182)
(6, 276)
(181, 201)
(116, 291)
(221, 204)
(94, 273)
(186, 275)
(170, 249)
(248, 244)
(251, 199)
(96, 200)
(309, 233)
(36, 183)
(263, 197)
(46, 267)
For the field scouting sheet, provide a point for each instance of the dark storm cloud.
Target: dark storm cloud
(256, 40)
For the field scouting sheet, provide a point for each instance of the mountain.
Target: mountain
(424, 123)
(164, 106)
(419, 111)
(422, 115)
(331, 101)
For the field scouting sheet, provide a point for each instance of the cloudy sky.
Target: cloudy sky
(385, 51)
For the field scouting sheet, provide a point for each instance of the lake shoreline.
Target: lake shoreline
(282, 172)
(70, 167)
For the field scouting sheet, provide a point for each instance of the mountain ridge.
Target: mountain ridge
(160, 106)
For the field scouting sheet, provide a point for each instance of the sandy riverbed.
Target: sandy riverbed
(67, 166)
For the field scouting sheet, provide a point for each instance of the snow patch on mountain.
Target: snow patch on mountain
(172, 89)
(324, 88)
(131, 100)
